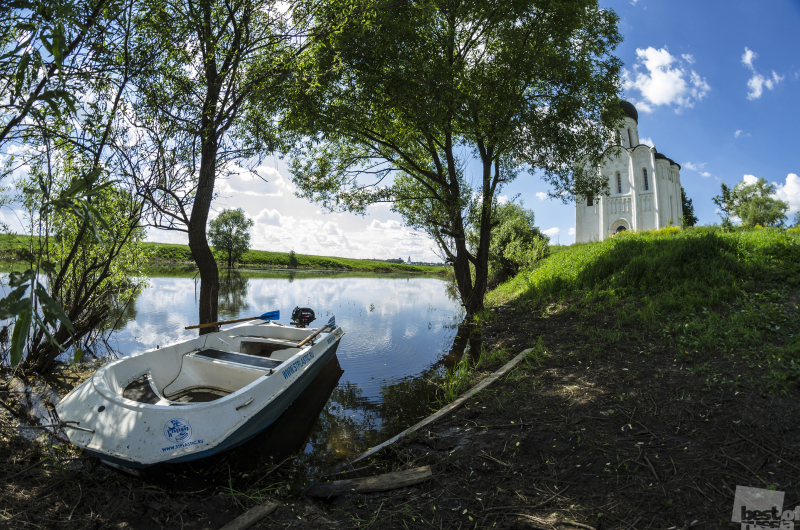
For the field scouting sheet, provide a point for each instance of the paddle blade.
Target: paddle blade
(272, 315)
(332, 322)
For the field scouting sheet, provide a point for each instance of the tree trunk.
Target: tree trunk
(198, 243)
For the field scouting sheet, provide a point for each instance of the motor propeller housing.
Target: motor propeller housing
(303, 316)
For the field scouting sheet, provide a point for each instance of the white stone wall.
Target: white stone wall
(632, 206)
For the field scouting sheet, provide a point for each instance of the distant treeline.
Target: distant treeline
(163, 254)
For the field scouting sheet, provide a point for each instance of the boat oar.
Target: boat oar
(331, 324)
(272, 315)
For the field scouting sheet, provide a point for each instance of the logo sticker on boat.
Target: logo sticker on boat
(297, 365)
(177, 430)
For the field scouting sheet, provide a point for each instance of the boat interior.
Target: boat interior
(221, 366)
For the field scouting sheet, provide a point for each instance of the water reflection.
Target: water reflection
(401, 333)
(232, 294)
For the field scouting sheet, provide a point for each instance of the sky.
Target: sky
(716, 85)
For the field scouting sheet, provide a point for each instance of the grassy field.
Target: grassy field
(705, 291)
(164, 254)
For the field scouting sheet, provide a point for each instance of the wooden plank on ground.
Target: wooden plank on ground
(388, 481)
(449, 408)
(251, 516)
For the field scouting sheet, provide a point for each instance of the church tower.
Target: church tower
(645, 188)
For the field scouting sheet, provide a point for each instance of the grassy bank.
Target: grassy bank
(169, 254)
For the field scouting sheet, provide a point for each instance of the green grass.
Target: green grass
(163, 253)
(703, 290)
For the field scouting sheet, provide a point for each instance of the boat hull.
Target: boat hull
(263, 419)
(167, 425)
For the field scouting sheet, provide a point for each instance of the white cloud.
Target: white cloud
(749, 179)
(694, 166)
(705, 174)
(571, 231)
(541, 195)
(646, 140)
(789, 192)
(688, 58)
(740, 134)
(551, 231)
(662, 79)
(757, 83)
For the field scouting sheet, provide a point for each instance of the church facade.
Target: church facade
(645, 188)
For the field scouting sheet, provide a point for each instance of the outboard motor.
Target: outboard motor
(302, 316)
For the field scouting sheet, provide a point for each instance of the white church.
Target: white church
(645, 188)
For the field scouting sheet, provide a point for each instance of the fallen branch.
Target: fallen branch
(388, 481)
(251, 516)
(449, 408)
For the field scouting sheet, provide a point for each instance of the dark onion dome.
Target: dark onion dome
(629, 110)
(660, 156)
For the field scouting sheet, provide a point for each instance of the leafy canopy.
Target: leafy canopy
(396, 105)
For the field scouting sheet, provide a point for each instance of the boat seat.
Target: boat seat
(239, 358)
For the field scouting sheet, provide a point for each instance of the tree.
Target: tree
(689, 218)
(230, 232)
(752, 203)
(796, 220)
(196, 103)
(63, 72)
(516, 242)
(394, 108)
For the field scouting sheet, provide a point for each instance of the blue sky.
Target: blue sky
(717, 88)
(716, 84)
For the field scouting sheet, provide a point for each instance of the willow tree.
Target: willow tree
(395, 109)
(195, 105)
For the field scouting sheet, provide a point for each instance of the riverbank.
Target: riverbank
(163, 254)
(664, 374)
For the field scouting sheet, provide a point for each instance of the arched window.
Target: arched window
(619, 183)
(630, 139)
(646, 184)
(620, 229)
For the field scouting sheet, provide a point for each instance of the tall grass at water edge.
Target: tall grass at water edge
(707, 290)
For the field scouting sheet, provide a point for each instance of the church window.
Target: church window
(630, 139)
(646, 185)
(619, 183)
(589, 201)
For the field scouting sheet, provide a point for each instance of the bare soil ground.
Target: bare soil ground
(622, 437)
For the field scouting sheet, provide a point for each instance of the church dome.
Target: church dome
(629, 110)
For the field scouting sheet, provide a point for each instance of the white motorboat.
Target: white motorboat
(196, 398)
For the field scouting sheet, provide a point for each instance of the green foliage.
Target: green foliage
(515, 241)
(689, 219)
(292, 260)
(753, 204)
(396, 104)
(230, 232)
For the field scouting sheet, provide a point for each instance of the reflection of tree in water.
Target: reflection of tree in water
(121, 313)
(232, 294)
(350, 423)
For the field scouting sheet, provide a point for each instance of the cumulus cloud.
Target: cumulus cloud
(740, 133)
(541, 195)
(571, 231)
(705, 174)
(688, 58)
(551, 231)
(749, 179)
(789, 192)
(757, 82)
(646, 140)
(663, 79)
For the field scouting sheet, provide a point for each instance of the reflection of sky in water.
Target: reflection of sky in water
(408, 329)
